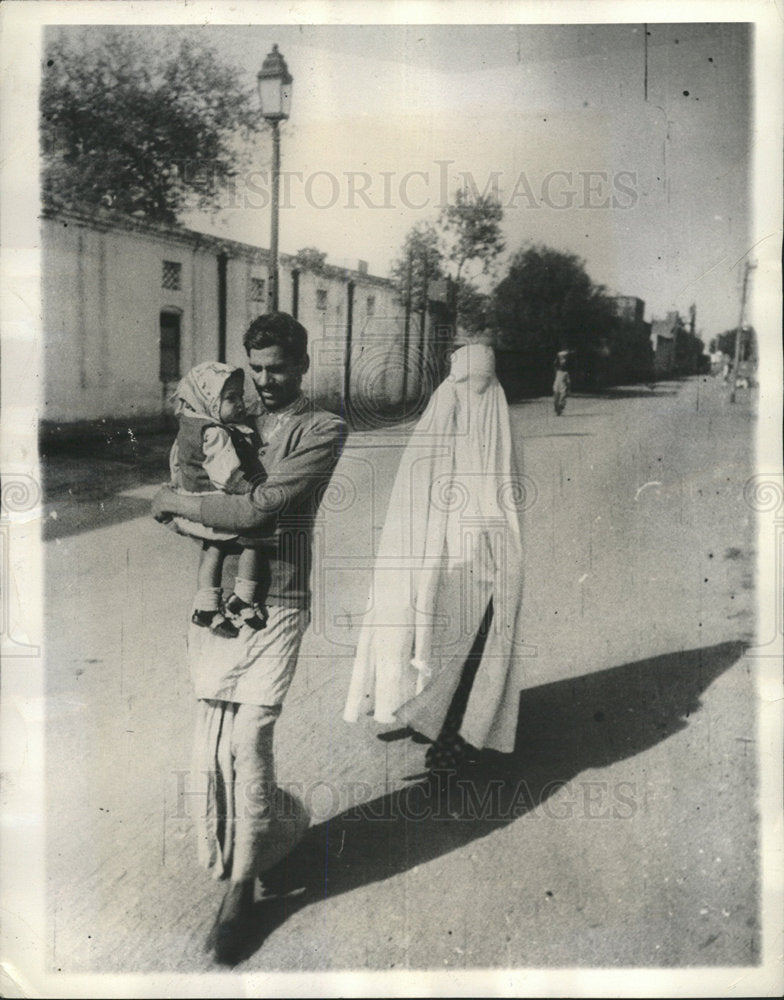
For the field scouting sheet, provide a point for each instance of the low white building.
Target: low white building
(130, 306)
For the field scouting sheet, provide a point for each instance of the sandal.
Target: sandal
(223, 627)
(202, 618)
(242, 613)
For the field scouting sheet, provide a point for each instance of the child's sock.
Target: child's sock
(245, 590)
(207, 599)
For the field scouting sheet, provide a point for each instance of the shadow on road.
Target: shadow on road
(76, 516)
(644, 392)
(565, 728)
(565, 434)
(83, 481)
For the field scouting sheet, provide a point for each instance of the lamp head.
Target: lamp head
(275, 82)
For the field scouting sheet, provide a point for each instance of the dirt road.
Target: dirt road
(622, 832)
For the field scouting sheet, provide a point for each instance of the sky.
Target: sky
(625, 144)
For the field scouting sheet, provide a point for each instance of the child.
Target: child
(216, 450)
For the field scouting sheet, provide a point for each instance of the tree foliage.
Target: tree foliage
(725, 342)
(310, 259)
(630, 356)
(475, 307)
(467, 230)
(471, 230)
(547, 303)
(689, 350)
(141, 129)
(420, 264)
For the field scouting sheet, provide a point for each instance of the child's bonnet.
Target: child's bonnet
(197, 404)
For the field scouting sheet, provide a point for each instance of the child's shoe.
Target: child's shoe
(203, 619)
(216, 622)
(224, 627)
(242, 613)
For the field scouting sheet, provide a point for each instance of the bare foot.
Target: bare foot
(229, 934)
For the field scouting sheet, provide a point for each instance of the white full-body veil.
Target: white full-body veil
(450, 544)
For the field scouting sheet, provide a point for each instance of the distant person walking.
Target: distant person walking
(562, 382)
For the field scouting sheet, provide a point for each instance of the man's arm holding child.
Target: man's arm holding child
(293, 477)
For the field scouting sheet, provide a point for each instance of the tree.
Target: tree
(547, 303)
(419, 266)
(141, 129)
(689, 350)
(310, 259)
(725, 342)
(630, 352)
(471, 231)
(475, 307)
(414, 274)
(468, 230)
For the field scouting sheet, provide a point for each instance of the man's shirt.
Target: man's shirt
(301, 445)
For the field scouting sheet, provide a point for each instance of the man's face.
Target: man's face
(277, 378)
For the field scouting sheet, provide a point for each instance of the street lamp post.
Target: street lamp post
(275, 84)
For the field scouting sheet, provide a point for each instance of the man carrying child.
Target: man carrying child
(245, 824)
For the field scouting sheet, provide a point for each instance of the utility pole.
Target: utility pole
(407, 331)
(423, 322)
(739, 334)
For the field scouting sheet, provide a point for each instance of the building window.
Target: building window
(321, 298)
(169, 346)
(257, 289)
(371, 305)
(172, 275)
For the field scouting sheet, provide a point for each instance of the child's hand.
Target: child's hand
(161, 505)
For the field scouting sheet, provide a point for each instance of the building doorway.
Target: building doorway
(169, 352)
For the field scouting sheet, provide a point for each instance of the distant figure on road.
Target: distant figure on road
(562, 382)
(717, 362)
(449, 570)
(216, 451)
(245, 823)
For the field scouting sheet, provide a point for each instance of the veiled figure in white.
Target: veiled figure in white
(450, 547)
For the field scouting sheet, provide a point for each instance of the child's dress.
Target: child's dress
(209, 456)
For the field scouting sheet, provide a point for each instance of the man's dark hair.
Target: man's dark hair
(277, 329)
